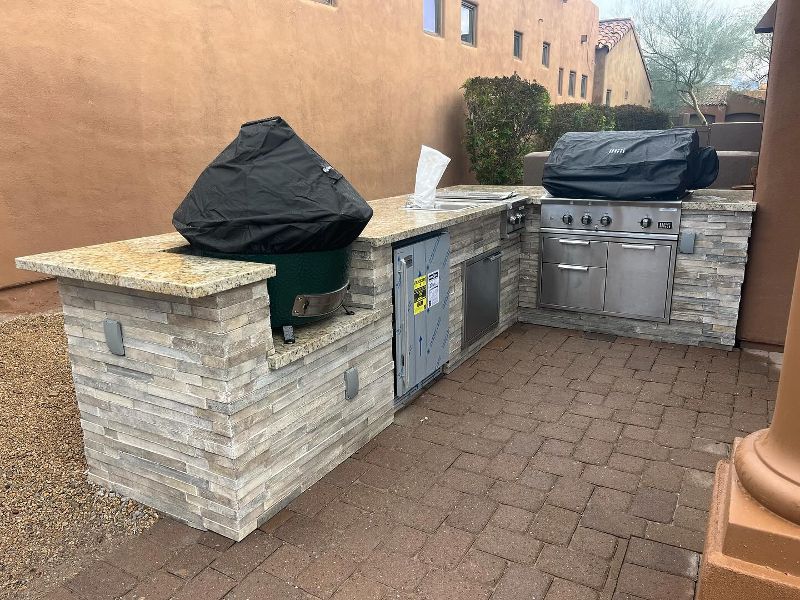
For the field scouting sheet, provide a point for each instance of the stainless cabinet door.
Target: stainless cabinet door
(481, 296)
(572, 286)
(638, 276)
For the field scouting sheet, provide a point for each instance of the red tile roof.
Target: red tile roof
(612, 31)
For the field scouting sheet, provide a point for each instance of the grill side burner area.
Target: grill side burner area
(609, 257)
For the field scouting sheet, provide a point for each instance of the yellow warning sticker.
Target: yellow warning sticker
(420, 294)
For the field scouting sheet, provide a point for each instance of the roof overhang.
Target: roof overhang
(767, 22)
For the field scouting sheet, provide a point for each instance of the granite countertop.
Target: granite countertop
(391, 222)
(158, 264)
(314, 336)
(151, 264)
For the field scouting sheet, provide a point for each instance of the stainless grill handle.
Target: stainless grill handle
(572, 268)
(638, 247)
(574, 242)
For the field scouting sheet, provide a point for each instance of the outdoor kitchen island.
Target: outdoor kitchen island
(212, 419)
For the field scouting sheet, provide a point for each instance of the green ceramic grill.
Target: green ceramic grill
(307, 287)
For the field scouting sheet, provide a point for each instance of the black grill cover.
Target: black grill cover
(269, 192)
(629, 165)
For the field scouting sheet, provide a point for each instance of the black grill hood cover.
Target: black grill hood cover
(269, 192)
(629, 165)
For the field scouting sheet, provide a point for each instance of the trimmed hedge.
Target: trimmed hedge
(505, 116)
(632, 117)
(576, 116)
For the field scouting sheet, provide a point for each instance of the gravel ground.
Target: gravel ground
(52, 519)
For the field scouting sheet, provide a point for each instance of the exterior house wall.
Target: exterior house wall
(111, 109)
(622, 72)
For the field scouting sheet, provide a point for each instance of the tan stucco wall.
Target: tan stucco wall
(622, 70)
(774, 247)
(111, 108)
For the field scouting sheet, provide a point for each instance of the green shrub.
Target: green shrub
(576, 116)
(631, 117)
(504, 117)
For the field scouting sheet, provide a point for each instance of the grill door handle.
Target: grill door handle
(574, 242)
(638, 247)
(572, 268)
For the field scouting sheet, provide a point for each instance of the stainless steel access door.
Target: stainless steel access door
(639, 279)
(572, 286)
(481, 296)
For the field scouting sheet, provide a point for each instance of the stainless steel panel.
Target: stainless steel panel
(572, 250)
(624, 216)
(638, 279)
(572, 286)
(313, 305)
(481, 296)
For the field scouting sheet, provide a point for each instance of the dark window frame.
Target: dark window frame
(560, 86)
(573, 75)
(439, 18)
(584, 85)
(518, 40)
(472, 36)
(546, 54)
(608, 97)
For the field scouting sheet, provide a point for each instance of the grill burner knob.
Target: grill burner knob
(567, 219)
(646, 222)
(605, 220)
(586, 219)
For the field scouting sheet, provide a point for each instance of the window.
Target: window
(432, 16)
(571, 84)
(584, 85)
(546, 54)
(626, 94)
(518, 45)
(468, 12)
(608, 97)
(560, 81)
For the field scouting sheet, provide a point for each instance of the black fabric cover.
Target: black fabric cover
(269, 192)
(629, 165)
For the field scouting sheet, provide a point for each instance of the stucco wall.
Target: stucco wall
(622, 71)
(775, 244)
(111, 108)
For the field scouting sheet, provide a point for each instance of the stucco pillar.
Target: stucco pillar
(768, 462)
(752, 548)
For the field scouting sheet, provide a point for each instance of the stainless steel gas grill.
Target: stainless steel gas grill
(609, 257)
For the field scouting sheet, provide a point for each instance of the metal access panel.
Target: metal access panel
(421, 311)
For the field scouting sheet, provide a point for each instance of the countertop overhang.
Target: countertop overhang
(160, 264)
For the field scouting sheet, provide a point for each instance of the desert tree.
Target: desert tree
(689, 44)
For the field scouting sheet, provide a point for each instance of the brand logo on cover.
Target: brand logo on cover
(617, 151)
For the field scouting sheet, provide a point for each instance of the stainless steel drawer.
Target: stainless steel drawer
(572, 286)
(572, 251)
(638, 279)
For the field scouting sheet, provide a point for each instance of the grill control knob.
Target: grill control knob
(567, 219)
(605, 220)
(586, 219)
(646, 222)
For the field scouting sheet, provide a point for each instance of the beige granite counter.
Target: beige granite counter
(151, 264)
(156, 263)
(392, 222)
(314, 336)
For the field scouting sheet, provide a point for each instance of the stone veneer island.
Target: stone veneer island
(211, 418)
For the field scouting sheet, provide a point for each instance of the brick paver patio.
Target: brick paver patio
(552, 465)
